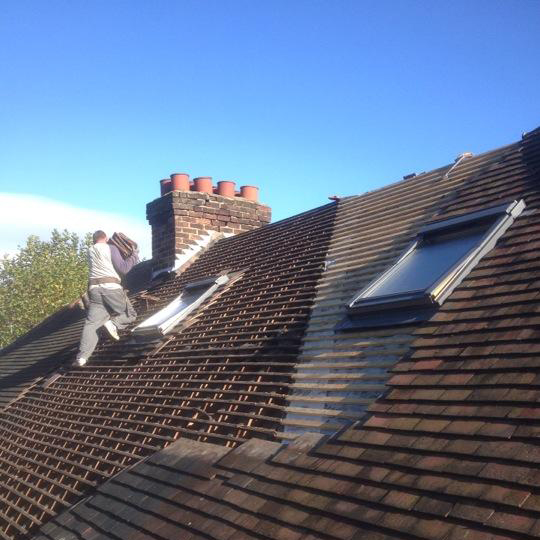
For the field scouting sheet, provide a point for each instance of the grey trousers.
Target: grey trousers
(105, 304)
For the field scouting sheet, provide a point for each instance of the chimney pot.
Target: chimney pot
(251, 193)
(226, 188)
(203, 184)
(165, 186)
(180, 182)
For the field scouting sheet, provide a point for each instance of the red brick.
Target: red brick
(191, 213)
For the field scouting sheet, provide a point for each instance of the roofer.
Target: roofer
(109, 305)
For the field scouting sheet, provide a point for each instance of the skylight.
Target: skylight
(442, 254)
(193, 295)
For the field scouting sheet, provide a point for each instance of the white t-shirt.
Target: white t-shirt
(100, 262)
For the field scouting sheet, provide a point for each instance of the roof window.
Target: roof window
(441, 255)
(192, 296)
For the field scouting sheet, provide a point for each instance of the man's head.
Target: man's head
(99, 236)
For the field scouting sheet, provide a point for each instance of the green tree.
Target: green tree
(40, 278)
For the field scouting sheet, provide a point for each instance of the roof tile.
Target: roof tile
(448, 452)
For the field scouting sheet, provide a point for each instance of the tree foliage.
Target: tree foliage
(40, 278)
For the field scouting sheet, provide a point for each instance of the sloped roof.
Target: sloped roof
(339, 374)
(449, 451)
(45, 348)
(223, 378)
(49, 345)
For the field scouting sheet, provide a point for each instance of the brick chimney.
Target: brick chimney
(188, 214)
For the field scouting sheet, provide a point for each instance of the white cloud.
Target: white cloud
(23, 215)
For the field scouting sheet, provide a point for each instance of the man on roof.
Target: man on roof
(109, 306)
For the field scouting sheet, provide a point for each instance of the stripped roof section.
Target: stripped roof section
(223, 377)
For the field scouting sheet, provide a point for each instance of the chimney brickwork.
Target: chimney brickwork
(181, 219)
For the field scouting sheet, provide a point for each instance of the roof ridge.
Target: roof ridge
(433, 172)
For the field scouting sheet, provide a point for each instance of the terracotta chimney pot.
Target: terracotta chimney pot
(251, 193)
(180, 182)
(226, 188)
(165, 186)
(203, 184)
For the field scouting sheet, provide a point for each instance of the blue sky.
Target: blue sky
(101, 99)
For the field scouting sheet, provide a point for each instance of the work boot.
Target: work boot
(111, 328)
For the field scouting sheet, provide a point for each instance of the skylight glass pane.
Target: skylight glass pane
(426, 264)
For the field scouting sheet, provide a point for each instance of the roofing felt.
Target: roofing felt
(450, 451)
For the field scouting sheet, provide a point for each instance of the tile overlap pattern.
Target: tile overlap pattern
(223, 378)
(451, 451)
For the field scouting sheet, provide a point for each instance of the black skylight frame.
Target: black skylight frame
(415, 305)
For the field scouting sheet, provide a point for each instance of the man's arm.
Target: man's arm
(121, 265)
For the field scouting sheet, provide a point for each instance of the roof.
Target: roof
(344, 372)
(448, 450)
(224, 378)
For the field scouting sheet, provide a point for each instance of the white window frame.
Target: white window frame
(165, 320)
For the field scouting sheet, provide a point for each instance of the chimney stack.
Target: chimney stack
(188, 212)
